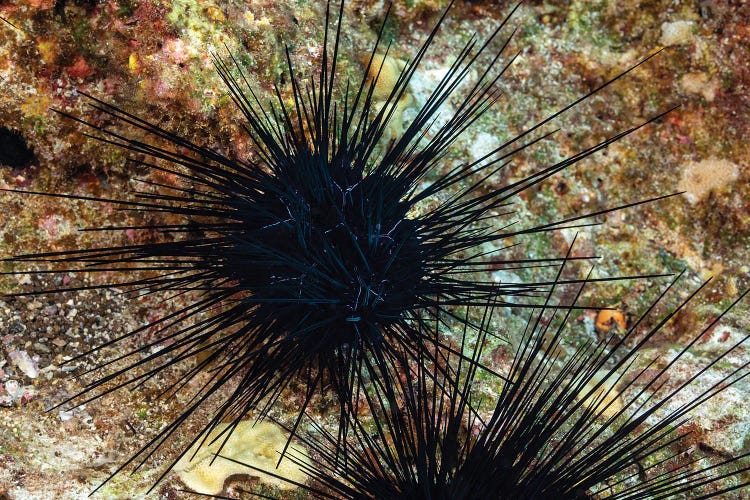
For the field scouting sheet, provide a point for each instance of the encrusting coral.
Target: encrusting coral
(701, 178)
(248, 448)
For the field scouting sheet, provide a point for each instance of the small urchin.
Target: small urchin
(318, 258)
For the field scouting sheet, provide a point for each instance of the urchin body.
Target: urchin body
(329, 256)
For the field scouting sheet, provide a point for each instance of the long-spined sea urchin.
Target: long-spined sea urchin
(594, 423)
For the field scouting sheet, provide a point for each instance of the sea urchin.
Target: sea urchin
(593, 423)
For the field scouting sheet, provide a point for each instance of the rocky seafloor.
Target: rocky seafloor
(154, 58)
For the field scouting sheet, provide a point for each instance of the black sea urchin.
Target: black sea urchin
(594, 424)
(320, 257)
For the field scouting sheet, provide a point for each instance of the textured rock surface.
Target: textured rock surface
(154, 58)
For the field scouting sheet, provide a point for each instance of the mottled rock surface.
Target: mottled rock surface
(155, 58)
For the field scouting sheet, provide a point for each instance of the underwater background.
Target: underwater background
(153, 58)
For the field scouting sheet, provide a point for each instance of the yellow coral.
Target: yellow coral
(133, 63)
(607, 398)
(254, 444)
(36, 106)
(384, 71)
(48, 50)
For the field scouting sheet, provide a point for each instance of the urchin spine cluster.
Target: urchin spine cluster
(317, 263)
(561, 428)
